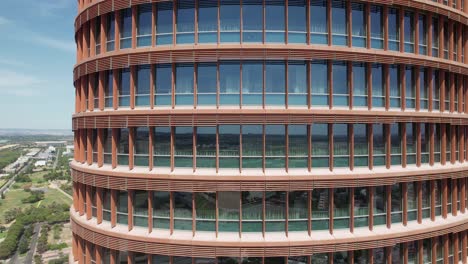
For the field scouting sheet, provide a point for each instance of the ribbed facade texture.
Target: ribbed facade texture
(271, 131)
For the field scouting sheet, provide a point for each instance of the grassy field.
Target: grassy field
(12, 200)
(8, 156)
(16, 193)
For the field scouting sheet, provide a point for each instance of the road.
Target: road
(32, 247)
(12, 180)
(57, 157)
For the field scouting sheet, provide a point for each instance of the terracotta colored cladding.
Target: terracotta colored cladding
(387, 180)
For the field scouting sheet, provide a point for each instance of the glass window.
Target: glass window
(319, 83)
(423, 89)
(109, 89)
(447, 91)
(158, 259)
(298, 214)
(124, 87)
(140, 208)
(340, 145)
(411, 143)
(397, 200)
(252, 21)
(341, 208)
(161, 210)
(275, 146)
(97, 34)
(141, 146)
(206, 83)
(110, 32)
(435, 90)
(227, 260)
(339, 23)
(380, 148)
(162, 147)
(122, 207)
(393, 29)
(228, 211)
(380, 205)
(412, 252)
(275, 211)
(143, 85)
(409, 31)
(122, 146)
(361, 145)
(435, 37)
(205, 211)
(426, 199)
(318, 22)
(410, 84)
(446, 40)
(377, 28)
(427, 251)
(340, 84)
(229, 145)
(378, 86)
(320, 145)
(359, 84)
(163, 85)
(359, 25)
(395, 86)
(275, 83)
(182, 260)
(319, 258)
(145, 13)
(94, 143)
(320, 209)
(252, 211)
(183, 210)
(126, 28)
(184, 84)
(297, 83)
(437, 141)
(164, 23)
(185, 22)
(361, 207)
(252, 146)
(107, 145)
(106, 205)
(229, 83)
(183, 147)
(274, 20)
(412, 201)
(252, 83)
(208, 21)
(229, 21)
(422, 34)
(206, 147)
(362, 257)
(297, 21)
(298, 146)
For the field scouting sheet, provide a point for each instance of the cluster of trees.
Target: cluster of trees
(35, 196)
(42, 241)
(25, 241)
(56, 175)
(54, 213)
(22, 177)
(8, 156)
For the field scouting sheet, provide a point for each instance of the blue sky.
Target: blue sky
(37, 54)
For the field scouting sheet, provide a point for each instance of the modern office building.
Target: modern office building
(271, 131)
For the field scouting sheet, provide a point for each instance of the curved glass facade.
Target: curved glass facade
(298, 146)
(283, 211)
(220, 124)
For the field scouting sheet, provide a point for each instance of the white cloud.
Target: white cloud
(62, 45)
(13, 63)
(19, 83)
(4, 21)
(50, 7)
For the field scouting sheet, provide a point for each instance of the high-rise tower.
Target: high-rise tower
(271, 131)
